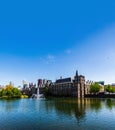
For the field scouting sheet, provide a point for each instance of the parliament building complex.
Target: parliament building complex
(76, 87)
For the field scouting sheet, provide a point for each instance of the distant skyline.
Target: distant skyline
(49, 39)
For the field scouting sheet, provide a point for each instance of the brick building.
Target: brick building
(69, 87)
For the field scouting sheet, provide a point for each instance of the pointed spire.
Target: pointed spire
(76, 72)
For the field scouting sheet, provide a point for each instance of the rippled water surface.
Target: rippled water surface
(57, 114)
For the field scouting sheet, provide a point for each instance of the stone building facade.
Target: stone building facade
(69, 87)
(87, 86)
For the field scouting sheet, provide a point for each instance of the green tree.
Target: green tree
(16, 92)
(47, 91)
(114, 89)
(109, 89)
(10, 92)
(3, 92)
(0, 93)
(95, 88)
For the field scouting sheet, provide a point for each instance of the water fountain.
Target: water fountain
(39, 95)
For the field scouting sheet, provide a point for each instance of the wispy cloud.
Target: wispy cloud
(68, 51)
(48, 59)
(111, 56)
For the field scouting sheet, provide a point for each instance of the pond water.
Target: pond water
(57, 114)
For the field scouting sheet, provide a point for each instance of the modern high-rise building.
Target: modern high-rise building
(25, 84)
(11, 83)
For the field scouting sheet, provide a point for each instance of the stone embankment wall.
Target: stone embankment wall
(100, 95)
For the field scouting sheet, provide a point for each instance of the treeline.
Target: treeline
(95, 88)
(110, 89)
(10, 92)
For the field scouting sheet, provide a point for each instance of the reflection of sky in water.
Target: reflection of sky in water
(29, 114)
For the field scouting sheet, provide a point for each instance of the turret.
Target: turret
(76, 73)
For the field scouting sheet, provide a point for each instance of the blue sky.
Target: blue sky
(49, 39)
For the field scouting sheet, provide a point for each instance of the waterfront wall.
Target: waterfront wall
(100, 96)
(63, 91)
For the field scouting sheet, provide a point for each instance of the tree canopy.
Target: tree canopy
(95, 88)
(10, 92)
(109, 89)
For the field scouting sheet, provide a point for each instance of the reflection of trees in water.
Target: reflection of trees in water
(9, 104)
(110, 103)
(95, 104)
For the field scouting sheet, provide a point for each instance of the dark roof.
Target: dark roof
(81, 76)
(63, 80)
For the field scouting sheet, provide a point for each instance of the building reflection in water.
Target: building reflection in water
(77, 107)
(68, 106)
